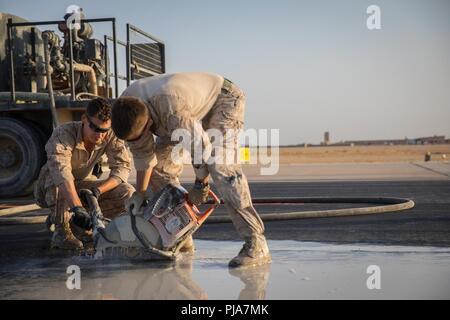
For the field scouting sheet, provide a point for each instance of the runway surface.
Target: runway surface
(308, 250)
(300, 270)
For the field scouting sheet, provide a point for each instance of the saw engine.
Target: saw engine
(168, 220)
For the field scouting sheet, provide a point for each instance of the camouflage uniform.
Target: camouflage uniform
(172, 104)
(68, 159)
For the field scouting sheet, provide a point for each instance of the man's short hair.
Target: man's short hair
(99, 108)
(129, 114)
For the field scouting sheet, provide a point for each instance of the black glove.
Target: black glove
(81, 218)
(96, 192)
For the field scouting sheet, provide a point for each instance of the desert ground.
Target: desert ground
(342, 154)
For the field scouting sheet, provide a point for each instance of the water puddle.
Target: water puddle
(300, 270)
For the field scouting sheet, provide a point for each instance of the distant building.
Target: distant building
(405, 141)
(326, 138)
(431, 140)
(374, 142)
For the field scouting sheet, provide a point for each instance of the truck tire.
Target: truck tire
(22, 155)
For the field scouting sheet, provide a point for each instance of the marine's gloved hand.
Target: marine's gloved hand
(96, 192)
(135, 203)
(199, 193)
(81, 218)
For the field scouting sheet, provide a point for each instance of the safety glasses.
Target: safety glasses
(97, 128)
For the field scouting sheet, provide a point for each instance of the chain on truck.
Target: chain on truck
(48, 77)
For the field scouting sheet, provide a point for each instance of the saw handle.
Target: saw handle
(206, 214)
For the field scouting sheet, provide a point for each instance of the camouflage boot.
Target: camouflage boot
(188, 246)
(254, 252)
(63, 238)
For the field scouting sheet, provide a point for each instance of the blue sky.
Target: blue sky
(306, 66)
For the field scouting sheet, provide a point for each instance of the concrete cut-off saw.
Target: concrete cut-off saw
(168, 220)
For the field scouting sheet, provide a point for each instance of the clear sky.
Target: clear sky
(306, 66)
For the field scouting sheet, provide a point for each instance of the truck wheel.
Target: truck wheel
(22, 155)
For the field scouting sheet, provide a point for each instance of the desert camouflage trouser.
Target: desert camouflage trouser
(232, 184)
(111, 202)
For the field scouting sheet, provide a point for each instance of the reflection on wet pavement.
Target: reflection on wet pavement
(300, 270)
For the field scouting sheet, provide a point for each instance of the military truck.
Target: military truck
(49, 76)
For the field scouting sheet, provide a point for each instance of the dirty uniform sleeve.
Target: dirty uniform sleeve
(119, 160)
(198, 142)
(59, 155)
(143, 151)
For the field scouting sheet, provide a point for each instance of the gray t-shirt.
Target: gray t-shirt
(199, 90)
(175, 101)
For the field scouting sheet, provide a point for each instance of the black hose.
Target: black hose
(383, 205)
(387, 205)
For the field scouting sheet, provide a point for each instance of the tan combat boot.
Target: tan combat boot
(188, 246)
(254, 252)
(63, 238)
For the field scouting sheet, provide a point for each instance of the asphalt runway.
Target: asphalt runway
(427, 224)
(426, 183)
(24, 249)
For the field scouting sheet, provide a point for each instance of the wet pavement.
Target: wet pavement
(300, 270)
(324, 258)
